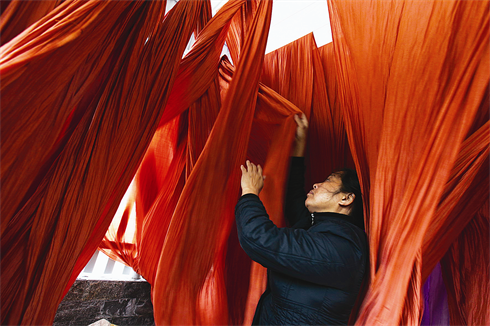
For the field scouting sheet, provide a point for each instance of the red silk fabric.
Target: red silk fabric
(414, 80)
(96, 94)
(85, 81)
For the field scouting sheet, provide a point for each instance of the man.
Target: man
(315, 268)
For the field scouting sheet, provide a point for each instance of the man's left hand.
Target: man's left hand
(252, 179)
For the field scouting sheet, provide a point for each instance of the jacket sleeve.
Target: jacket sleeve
(323, 258)
(294, 209)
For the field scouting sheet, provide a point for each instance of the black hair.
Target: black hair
(350, 184)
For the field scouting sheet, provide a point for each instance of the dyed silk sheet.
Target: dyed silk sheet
(111, 138)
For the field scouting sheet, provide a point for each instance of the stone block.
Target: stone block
(143, 307)
(119, 302)
(104, 290)
(115, 307)
(69, 311)
(133, 321)
(137, 290)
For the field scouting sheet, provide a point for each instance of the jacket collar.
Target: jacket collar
(323, 216)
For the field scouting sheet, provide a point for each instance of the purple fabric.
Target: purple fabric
(436, 311)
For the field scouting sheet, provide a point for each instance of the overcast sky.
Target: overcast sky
(292, 19)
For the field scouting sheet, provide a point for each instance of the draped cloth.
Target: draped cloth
(110, 138)
(414, 80)
(108, 66)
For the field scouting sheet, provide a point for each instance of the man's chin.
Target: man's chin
(307, 206)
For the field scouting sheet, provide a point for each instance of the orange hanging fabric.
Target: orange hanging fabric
(459, 204)
(239, 28)
(203, 219)
(466, 280)
(158, 181)
(19, 15)
(408, 94)
(179, 15)
(92, 128)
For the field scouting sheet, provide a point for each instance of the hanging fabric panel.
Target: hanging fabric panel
(133, 238)
(335, 130)
(158, 182)
(158, 179)
(199, 67)
(407, 95)
(460, 210)
(459, 204)
(106, 142)
(202, 221)
(194, 15)
(19, 15)
(27, 104)
(466, 280)
(30, 59)
(239, 28)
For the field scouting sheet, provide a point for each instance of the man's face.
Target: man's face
(325, 196)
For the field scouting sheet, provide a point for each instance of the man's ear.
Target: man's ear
(347, 199)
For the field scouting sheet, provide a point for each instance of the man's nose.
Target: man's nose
(315, 186)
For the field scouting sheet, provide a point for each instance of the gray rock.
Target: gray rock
(118, 302)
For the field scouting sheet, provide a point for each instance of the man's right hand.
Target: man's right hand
(301, 135)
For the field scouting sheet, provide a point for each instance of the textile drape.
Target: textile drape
(97, 102)
(410, 90)
(18, 15)
(88, 116)
(203, 219)
(466, 281)
(161, 170)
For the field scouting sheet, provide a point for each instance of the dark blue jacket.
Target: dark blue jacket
(314, 270)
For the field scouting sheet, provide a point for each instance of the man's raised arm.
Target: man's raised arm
(294, 208)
